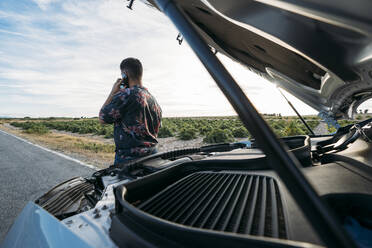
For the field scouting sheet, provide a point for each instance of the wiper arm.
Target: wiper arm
(353, 132)
(342, 131)
(298, 114)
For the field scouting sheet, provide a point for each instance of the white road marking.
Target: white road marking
(54, 152)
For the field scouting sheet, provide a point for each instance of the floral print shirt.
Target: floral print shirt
(137, 118)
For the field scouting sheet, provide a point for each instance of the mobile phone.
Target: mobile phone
(124, 82)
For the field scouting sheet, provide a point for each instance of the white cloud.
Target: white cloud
(43, 4)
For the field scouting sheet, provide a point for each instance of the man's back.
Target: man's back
(137, 118)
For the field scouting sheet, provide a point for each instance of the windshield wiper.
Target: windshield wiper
(354, 131)
(223, 147)
(298, 114)
(125, 168)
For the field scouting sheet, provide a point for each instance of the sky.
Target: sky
(61, 58)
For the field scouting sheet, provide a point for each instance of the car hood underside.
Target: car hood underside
(320, 52)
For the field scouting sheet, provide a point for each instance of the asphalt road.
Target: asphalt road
(321, 129)
(26, 172)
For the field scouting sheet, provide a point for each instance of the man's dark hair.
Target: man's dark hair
(133, 66)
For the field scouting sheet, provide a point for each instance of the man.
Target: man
(134, 112)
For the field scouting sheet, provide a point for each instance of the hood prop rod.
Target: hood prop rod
(285, 164)
(298, 114)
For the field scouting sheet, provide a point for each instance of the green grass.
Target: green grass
(32, 127)
(96, 147)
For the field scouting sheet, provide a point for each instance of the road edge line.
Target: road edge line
(51, 151)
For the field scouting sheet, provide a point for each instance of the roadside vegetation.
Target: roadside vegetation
(32, 127)
(210, 129)
(89, 141)
(91, 151)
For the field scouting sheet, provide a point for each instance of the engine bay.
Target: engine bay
(222, 194)
(233, 199)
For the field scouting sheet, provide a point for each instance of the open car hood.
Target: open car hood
(319, 51)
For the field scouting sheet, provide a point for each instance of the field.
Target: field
(87, 140)
(211, 129)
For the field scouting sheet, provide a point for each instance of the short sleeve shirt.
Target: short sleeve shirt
(136, 116)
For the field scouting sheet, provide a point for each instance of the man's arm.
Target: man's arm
(115, 89)
(108, 100)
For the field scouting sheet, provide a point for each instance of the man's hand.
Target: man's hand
(116, 87)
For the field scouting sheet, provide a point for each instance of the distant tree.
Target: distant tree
(366, 111)
(218, 136)
(240, 132)
(187, 133)
(292, 128)
(165, 132)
